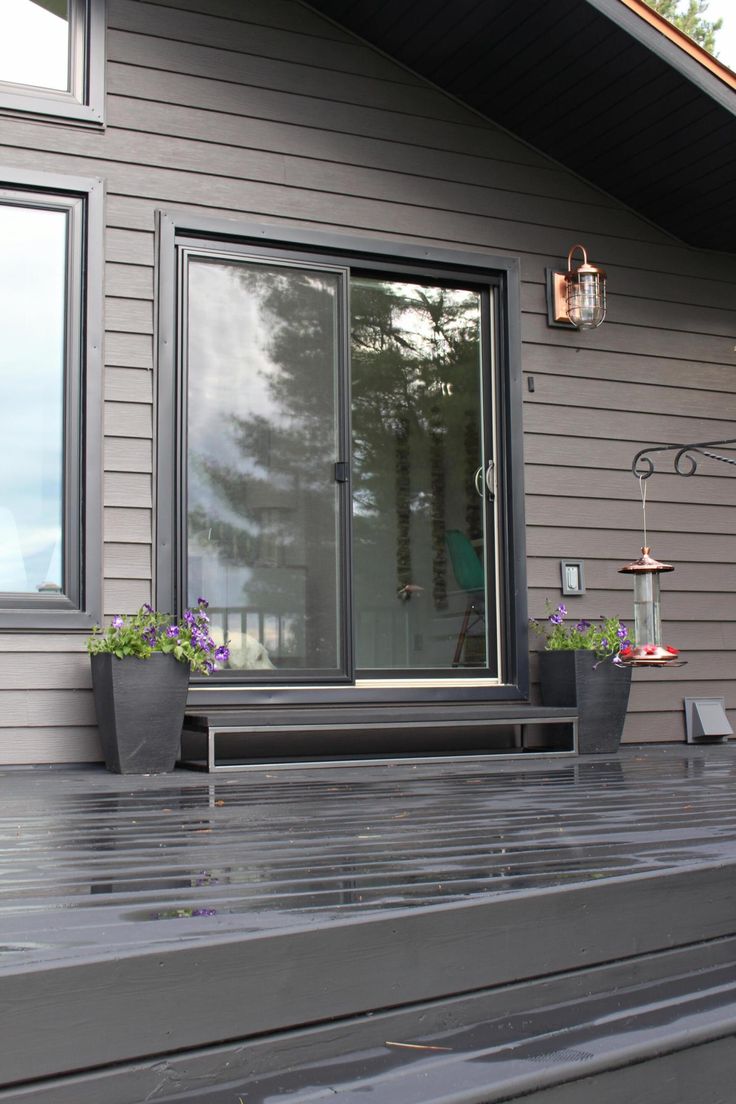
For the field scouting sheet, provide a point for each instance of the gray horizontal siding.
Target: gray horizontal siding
(263, 109)
(29, 744)
(128, 454)
(133, 281)
(127, 561)
(601, 544)
(129, 385)
(125, 595)
(46, 707)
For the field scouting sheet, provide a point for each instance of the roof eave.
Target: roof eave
(673, 47)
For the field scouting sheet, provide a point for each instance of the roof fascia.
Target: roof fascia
(660, 44)
(689, 45)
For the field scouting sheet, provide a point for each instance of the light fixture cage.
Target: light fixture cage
(578, 296)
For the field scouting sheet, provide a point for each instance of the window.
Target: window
(337, 444)
(52, 58)
(49, 403)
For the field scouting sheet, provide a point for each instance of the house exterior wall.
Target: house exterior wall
(261, 109)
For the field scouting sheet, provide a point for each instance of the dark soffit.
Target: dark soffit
(587, 82)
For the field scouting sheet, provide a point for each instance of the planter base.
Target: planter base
(599, 690)
(140, 707)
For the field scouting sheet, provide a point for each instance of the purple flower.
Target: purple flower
(604, 643)
(201, 640)
(189, 618)
(147, 608)
(562, 609)
(222, 654)
(204, 912)
(203, 603)
(172, 631)
(622, 632)
(209, 667)
(556, 619)
(582, 625)
(117, 622)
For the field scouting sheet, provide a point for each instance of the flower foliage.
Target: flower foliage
(148, 632)
(605, 639)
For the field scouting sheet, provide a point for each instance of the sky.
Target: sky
(726, 37)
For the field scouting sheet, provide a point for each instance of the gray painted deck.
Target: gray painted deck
(191, 938)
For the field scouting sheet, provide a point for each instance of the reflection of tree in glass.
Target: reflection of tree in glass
(270, 501)
(415, 385)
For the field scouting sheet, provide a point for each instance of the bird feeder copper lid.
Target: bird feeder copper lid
(646, 565)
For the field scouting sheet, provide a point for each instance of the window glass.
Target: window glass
(262, 503)
(421, 537)
(34, 45)
(33, 279)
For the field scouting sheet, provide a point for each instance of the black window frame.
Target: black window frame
(85, 101)
(79, 606)
(503, 273)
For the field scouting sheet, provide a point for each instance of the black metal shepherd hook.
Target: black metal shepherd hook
(684, 461)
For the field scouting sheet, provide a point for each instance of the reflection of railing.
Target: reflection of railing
(277, 633)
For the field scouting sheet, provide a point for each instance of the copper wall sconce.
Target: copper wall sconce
(576, 298)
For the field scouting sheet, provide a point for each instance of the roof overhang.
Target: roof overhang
(625, 101)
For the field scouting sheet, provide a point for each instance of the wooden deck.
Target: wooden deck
(564, 929)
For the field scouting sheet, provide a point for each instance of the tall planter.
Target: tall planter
(140, 707)
(599, 690)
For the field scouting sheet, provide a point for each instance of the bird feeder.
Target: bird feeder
(648, 649)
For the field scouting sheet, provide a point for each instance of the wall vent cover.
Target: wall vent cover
(706, 720)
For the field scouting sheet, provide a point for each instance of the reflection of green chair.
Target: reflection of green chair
(470, 577)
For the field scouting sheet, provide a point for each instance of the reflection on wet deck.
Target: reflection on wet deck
(92, 861)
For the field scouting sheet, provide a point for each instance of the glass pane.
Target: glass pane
(34, 45)
(418, 469)
(32, 324)
(262, 498)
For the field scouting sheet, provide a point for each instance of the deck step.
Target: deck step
(257, 735)
(610, 1033)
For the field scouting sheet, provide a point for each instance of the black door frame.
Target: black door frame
(187, 247)
(503, 274)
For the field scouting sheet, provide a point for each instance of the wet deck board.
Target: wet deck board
(167, 914)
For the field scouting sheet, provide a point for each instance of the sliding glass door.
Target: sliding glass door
(338, 481)
(265, 507)
(424, 586)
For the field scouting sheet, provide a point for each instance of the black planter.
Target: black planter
(599, 690)
(140, 711)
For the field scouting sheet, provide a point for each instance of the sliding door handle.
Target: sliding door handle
(491, 480)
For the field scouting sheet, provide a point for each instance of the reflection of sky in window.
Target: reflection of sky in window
(230, 367)
(32, 316)
(34, 44)
(231, 370)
